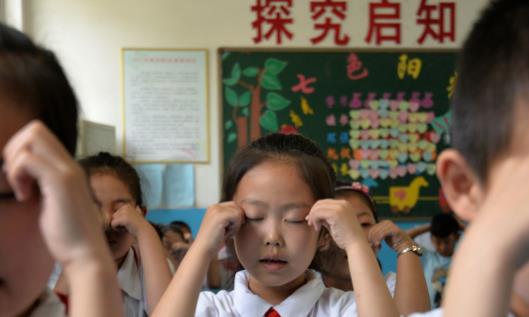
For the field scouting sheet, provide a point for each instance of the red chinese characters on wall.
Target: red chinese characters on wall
(328, 16)
(272, 19)
(384, 22)
(436, 19)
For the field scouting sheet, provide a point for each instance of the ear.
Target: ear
(461, 186)
(143, 210)
(324, 241)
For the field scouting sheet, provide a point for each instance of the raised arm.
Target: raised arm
(416, 231)
(180, 299)
(156, 272)
(68, 219)
(495, 246)
(371, 292)
(411, 292)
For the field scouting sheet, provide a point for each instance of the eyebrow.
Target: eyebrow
(364, 213)
(254, 202)
(283, 208)
(294, 206)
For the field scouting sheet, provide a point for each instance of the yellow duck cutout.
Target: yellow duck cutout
(404, 198)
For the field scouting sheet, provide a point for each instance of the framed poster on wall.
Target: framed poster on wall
(165, 105)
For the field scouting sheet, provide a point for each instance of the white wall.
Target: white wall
(88, 35)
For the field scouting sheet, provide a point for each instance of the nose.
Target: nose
(273, 243)
(274, 237)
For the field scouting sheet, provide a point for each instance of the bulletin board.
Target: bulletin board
(165, 105)
(380, 116)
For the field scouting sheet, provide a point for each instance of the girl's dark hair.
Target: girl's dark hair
(175, 229)
(343, 187)
(180, 225)
(106, 163)
(159, 228)
(33, 80)
(312, 164)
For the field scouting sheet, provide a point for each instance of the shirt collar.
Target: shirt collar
(129, 276)
(300, 303)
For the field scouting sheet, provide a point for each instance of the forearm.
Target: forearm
(413, 232)
(214, 274)
(411, 292)
(480, 281)
(93, 288)
(181, 296)
(156, 272)
(371, 292)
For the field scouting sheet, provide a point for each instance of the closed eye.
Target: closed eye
(7, 197)
(253, 219)
(295, 221)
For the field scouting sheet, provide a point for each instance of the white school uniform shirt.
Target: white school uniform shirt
(49, 306)
(130, 280)
(310, 300)
(391, 282)
(438, 313)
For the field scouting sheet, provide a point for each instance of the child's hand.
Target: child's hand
(502, 221)
(33, 157)
(394, 236)
(339, 218)
(129, 217)
(220, 222)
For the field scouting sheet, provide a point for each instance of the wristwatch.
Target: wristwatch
(412, 248)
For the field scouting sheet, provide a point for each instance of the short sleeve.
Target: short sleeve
(206, 305)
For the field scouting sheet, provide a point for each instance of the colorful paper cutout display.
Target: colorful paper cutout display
(387, 138)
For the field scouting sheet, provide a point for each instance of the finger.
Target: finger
(24, 172)
(319, 217)
(38, 138)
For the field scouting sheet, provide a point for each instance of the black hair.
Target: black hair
(343, 187)
(178, 224)
(493, 70)
(443, 225)
(32, 78)
(106, 163)
(175, 229)
(310, 160)
(159, 228)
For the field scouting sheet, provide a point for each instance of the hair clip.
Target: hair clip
(360, 187)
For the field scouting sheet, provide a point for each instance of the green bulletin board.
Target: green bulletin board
(381, 117)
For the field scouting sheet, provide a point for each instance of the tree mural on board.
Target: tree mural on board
(244, 91)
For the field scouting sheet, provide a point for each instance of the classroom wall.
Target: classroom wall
(88, 35)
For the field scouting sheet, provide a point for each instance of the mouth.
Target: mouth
(273, 264)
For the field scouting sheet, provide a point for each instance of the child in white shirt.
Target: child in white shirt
(276, 200)
(407, 286)
(143, 269)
